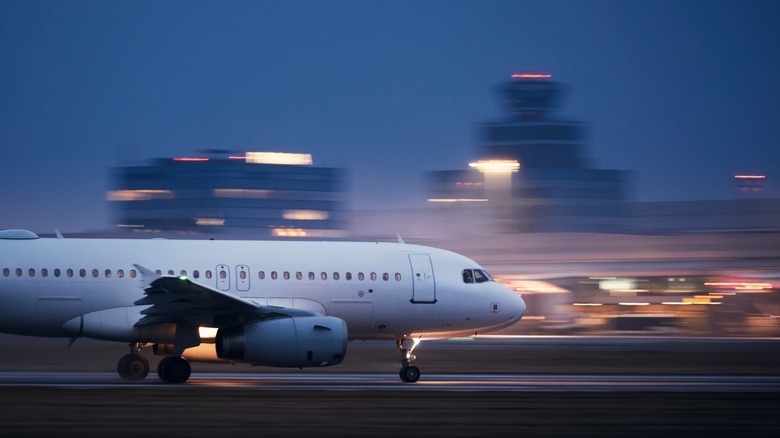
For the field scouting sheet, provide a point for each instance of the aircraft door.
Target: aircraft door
(223, 277)
(242, 278)
(424, 284)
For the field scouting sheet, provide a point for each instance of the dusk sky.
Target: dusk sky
(683, 93)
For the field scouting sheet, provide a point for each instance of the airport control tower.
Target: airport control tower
(555, 188)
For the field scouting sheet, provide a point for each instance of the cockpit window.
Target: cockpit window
(476, 276)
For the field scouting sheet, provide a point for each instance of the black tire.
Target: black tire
(133, 367)
(409, 374)
(174, 369)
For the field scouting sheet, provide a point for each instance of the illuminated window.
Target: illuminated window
(83, 273)
(336, 276)
(31, 272)
(44, 272)
(108, 273)
(69, 273)
(348, 276)
(273, 275)
(18, 272)
(373, 276)
(208, 274)
(299, 275)
(132, 273)
(196, 274)
(261, 275)
(385, 276)
(95, 273)
(311, 275)
(120, 273)
(323, 276)
(286, 275)
(360, 276)
(397, 276)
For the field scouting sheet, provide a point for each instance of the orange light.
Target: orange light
(749, 176)
(495, 165)
(237, 157)
(190, 159)
(531, 76)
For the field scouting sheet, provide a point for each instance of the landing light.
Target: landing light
(183, 277)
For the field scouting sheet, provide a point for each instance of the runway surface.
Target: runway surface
(386, 382)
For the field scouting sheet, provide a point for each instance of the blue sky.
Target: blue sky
(683, 93)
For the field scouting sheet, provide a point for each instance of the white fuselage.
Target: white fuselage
(88, 287)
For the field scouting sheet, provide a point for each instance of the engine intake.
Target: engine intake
(305, 341)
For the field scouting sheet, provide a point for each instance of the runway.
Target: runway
(387, 382)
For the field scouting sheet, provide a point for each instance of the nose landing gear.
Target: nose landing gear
(408, 373)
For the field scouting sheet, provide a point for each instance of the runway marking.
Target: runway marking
(390, 382)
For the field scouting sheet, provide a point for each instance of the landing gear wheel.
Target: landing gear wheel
(409, 374)
(133, 367)
(173, 369)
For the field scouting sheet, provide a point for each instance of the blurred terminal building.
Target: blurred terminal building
(251, 195)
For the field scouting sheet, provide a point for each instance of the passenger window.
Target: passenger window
(311, 275)
(170, 271)
(348, 276)
(82, 273)
(108, 273)
(208, 275)
(18, 272)
(323, 276)
(31, 272)
(183, 272)
(397, 276)
(242, 275)
(468, 277)
(286, 275)
(70, 272)
(273, 275)
(336, 276)
(132, 273)
(158, 272)
(95, 273)
(222, 275)
(385, 276)
(373, 276)
(361, 276)
(44, 272)
(6, 272)
(196, 274)
(57, 272)
(299, 275)
(261, 275)
(120, 273)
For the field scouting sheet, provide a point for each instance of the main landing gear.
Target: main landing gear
(409, 373)
(133, 366)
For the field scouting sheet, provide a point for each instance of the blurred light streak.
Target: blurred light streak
(305, 215)
(587, 304)
(191, 159)
(212, 222)
(633, 304)
(457, 200)
(749, 176)
(242, 193)
(138, 195)
(496, 165)
(279, 158)
(531, 76)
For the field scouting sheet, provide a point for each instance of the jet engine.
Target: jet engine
(303, 341)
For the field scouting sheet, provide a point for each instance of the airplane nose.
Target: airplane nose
(519, 305)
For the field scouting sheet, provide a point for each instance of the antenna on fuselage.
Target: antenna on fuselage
(400, 239)
(58, 233)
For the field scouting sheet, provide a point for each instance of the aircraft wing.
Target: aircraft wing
(179, 300)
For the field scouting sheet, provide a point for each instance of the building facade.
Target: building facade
(254, 195)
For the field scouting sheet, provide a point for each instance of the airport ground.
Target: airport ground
(158, 410)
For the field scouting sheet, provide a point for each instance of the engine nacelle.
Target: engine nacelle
(304, 341)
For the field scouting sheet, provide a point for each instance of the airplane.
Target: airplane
(267, 303)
